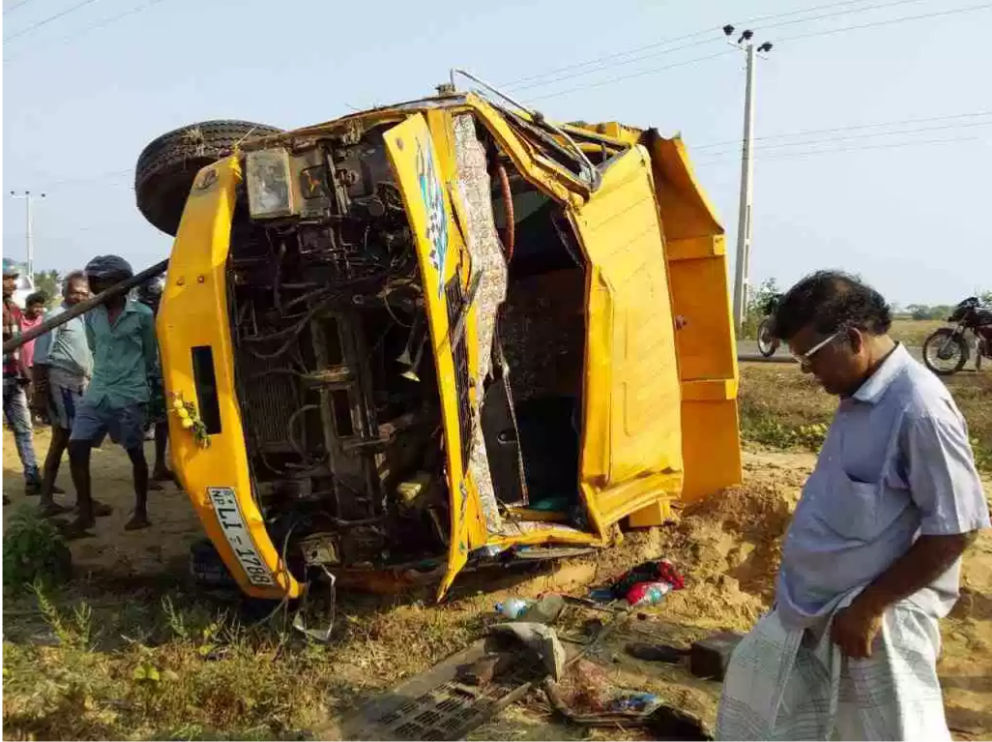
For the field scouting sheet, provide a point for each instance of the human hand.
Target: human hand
(854, 629)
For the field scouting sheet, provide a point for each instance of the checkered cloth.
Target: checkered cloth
(12, 320)
(791, 685)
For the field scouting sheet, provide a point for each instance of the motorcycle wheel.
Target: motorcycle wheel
(945, 353)
(767, 343)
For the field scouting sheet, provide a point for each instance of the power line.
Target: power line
(832, 150)
(806, 132)
(48, 20)
(641, 73)
(15, 6)
(875, 24)
(663, 42)
(99, 24)
(893, 145)
(881, 6)
(714, 156)
(513, 84)
(632, 60)
(604, 62)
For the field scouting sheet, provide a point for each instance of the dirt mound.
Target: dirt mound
(729, 548)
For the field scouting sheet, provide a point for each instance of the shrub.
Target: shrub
(34, 552)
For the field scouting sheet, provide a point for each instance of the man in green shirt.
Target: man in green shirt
(121, 335)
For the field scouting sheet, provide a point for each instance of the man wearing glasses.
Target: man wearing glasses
(872, 558)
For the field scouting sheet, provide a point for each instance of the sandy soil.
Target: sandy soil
(162, 548)
(728, 547)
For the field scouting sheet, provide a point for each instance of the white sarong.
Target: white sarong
(792, 685)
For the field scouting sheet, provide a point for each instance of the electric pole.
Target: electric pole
(742, 263)
(28, 200)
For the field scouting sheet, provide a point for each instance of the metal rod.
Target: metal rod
(82, 307)
(539, 119)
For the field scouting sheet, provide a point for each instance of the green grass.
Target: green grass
(165, 664)
(913, 332)
(783, 408)
(100, 659)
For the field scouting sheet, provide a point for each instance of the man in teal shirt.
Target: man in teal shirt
(121, 335)
(63, 365)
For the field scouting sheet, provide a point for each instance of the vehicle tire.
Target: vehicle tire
(767, 343)
(945, 353)
(166, 168)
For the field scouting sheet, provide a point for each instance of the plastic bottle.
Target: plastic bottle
(634, 702)
(513, 608)
(648, 593)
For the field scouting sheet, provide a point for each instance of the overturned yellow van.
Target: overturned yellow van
(438, 334)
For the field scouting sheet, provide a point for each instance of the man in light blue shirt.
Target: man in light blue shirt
(62, 369)
(872, 558)
(121, 335)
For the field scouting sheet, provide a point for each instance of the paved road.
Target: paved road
(747, 350)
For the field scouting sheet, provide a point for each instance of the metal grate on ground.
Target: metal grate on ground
(437, 706)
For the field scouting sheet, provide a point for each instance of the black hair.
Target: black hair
(830, 301)
(76, 275)
(38, 297)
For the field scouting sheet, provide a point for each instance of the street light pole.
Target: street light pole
(28, 201)
(742, 264)
(747, 186)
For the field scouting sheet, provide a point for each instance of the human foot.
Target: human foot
(100, 509)
(137, 522)
(79, 528)
(163, 475)
(49, 509)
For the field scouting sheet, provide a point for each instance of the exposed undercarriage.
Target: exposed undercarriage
(334, 368)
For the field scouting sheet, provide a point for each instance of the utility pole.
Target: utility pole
(28, 201)
(742, 263)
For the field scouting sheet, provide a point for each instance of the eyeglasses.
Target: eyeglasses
(806, 359)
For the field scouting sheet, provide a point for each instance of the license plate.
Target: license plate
(232, 523)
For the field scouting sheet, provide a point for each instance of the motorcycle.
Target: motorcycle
(767, 342)
(946, 350)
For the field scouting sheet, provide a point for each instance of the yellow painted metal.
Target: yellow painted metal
(440, 124)
(707, 346)
(659, 407)
(631, 452)
(194, 314)
(417, 167)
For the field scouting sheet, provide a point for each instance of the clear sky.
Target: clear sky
(85, 92)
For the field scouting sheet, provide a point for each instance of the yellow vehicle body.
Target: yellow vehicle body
(658, 417)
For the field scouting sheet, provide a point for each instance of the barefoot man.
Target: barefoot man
(872, 558)
(121, 335)
(62, 369)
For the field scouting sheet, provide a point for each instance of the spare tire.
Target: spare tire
(166, 167)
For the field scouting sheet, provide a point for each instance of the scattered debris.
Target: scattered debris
(646, 584)
(541, 639)
(657, 652)
(482, 671)
(513, 608)
(647, 593)
(546, 610)
(664, 722)
(709, 657)
(586, 688)
(447, 701)
(640, 702)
